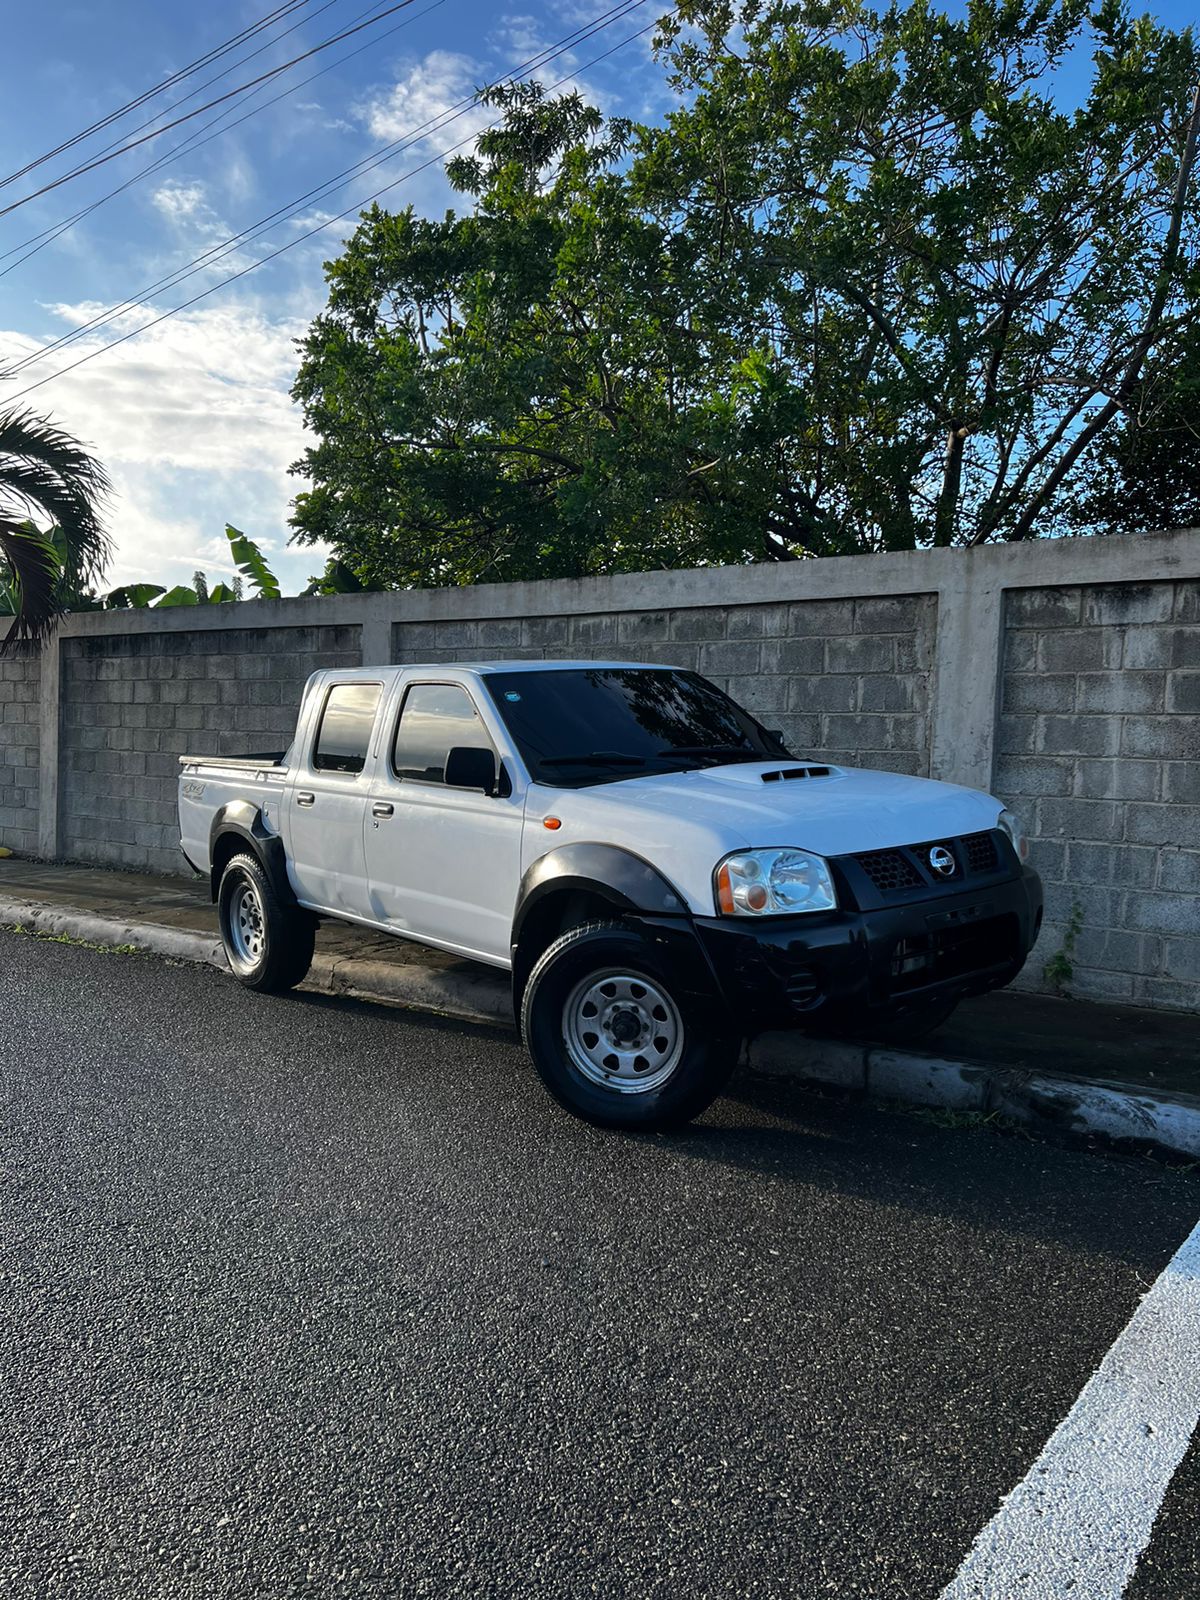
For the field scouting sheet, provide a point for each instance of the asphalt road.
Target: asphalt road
(303, 1297)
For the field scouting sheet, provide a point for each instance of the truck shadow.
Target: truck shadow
(804, 1140)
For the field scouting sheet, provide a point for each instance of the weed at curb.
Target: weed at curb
(67, 938)
(1060, 969)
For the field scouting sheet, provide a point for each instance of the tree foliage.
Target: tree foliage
(870, 286)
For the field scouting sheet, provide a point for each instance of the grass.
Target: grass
(67, 938)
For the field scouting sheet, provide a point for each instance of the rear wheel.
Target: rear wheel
(615, 1039)
(269, 946)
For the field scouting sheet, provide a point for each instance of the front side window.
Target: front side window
(345, 732)
(434, 719)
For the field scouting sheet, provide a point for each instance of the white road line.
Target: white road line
(1077, 1523)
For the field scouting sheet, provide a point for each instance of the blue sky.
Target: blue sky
(193, 417)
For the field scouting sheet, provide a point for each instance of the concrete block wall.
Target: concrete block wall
(1062, 674)
(846, 679)
(20, 693)
(132, 705)
(1099, 752)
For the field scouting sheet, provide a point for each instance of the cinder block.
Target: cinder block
(1020, 653)
(1168, 826)
(1171, 738)
(821, 617)
(1121, 779)
(544, 632)
(737, 656)
(899, 613)
(1181, 959)
(1031, 691)
(1122, 865)
(756, 622)
(1162, 647)
(499, 633)
(821, 693)
(643, 627)
(1120, 691)
(1183, 693)
(864, 653)
(701, 623)
(1042, 608)
(1161, 913)
(592, 631)
(765, 697)
(1181, 782)
(899, 691)
(793, 655)
(1078, 819)
(1018, 775)
(1078, 735)
(1179, 873)
(1128, 603)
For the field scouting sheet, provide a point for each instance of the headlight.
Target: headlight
(765, 883)
(1012, 828)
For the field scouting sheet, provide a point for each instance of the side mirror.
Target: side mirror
(470, 768)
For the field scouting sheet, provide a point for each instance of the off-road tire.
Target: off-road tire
(703, 1049)
(275, 956)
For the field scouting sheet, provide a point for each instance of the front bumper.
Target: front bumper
(827, 968)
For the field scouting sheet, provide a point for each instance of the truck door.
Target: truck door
(443, 864)
(327, 802)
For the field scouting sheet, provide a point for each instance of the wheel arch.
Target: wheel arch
(239, 826)
(580, 883)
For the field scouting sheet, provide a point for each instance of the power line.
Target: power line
(167, 83)
(350, 211)
(293, 208)
(216, 78)
(195, 142)
(200, 110)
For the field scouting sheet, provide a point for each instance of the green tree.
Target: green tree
(1146, 472)
(868, 287)
(52, 538)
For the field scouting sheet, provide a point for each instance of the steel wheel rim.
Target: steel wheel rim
(247, 924)
(622, 1031)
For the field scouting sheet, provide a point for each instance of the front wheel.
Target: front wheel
(269, 946)
(615, 1039)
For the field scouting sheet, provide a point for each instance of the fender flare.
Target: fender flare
(242, 819)
(617, 875)
(624, 879)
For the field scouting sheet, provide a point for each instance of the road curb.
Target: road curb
(1076, 1107)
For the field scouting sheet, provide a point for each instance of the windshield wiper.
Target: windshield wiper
(736, 752)
(595, 758)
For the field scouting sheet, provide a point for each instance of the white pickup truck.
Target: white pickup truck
(659, 875)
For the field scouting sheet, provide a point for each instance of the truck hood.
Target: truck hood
(684, 822)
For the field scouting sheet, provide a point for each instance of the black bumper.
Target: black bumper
(837, 966)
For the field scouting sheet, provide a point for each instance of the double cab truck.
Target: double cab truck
(660, 876)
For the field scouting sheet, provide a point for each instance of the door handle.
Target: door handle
(382, 808)
(305, 799)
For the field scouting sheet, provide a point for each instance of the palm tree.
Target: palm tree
(47, 477)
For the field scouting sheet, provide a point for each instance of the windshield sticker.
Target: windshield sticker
(512, 694)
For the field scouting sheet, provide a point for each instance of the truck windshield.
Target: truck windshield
(587, 725)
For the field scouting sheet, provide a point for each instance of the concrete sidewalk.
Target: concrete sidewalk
(1120, 1071)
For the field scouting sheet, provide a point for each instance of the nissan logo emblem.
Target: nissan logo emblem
(941, 861)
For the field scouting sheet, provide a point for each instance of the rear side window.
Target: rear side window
(345, 732)
(434, 718)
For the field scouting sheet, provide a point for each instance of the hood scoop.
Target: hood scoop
(786, 774)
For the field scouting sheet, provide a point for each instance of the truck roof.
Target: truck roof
(483, 667)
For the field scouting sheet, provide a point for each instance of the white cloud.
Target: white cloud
(195, 424)
(425, 93)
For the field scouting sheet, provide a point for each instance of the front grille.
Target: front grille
(889, 871)
(981, 852)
